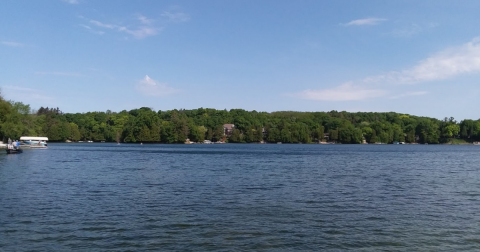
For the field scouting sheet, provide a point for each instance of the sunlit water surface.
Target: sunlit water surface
(231, 197)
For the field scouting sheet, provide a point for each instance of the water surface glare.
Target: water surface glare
(233, 197)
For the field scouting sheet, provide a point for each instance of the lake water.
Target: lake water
(232, 197)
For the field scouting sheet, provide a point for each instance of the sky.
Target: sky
(415, 57)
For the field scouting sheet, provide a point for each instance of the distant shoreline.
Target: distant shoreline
(148, 143)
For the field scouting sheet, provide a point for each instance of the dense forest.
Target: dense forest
(175, 126)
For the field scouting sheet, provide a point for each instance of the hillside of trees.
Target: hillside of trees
(175, 126)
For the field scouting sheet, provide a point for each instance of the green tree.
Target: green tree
(218, 134)
(333, 134)
(74, 132)
(236, 136)
(273, 135)
(144, 134)
(285, 136)
(451, 130)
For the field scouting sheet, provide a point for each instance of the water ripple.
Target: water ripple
(97, 197)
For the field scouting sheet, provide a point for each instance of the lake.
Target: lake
(234, 197)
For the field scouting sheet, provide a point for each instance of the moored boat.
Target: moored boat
(34, 142)
(11, 149)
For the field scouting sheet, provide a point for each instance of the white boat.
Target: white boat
(33, 142)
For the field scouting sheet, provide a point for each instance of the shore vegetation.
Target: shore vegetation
(176, 126)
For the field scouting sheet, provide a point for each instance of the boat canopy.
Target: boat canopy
(31, 138)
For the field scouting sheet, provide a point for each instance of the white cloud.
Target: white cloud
(100, 24)
(89, 29)
(451, 62)
(344, 92)
(71, 1)
(12, 44)
(445, 64)
(140, 32)
(86, 26)
(412, 30)
(365, 21)
(60, 74)
(146, 29)
(19, 88)
(151, 87)
(25, 93)
(407, 32)
(145, 20)
(414, 93)
(176, 16)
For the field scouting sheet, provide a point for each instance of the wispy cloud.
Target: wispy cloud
(454, 61)
(26, 93)
(142, 28)
(411, 30)
(19, 88)
(144, 20)
(71, 1)
(60, 74)
(365, 21)
(89, 29)
(12, 44)
(150, 87)
(407, 31)
(102, 25)
(448, 63)
(344, 92)
(414, 93)
(176, 16)
(141, 32)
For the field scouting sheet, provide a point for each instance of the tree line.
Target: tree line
(175, 126)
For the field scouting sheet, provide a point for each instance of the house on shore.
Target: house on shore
(228, 129)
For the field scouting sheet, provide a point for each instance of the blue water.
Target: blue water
(232, 197)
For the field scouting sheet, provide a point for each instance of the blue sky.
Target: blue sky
(415, 57)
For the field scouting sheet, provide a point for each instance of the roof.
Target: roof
(229, 126)
(25, 138)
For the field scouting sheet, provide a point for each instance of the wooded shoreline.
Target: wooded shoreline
(197, 125)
